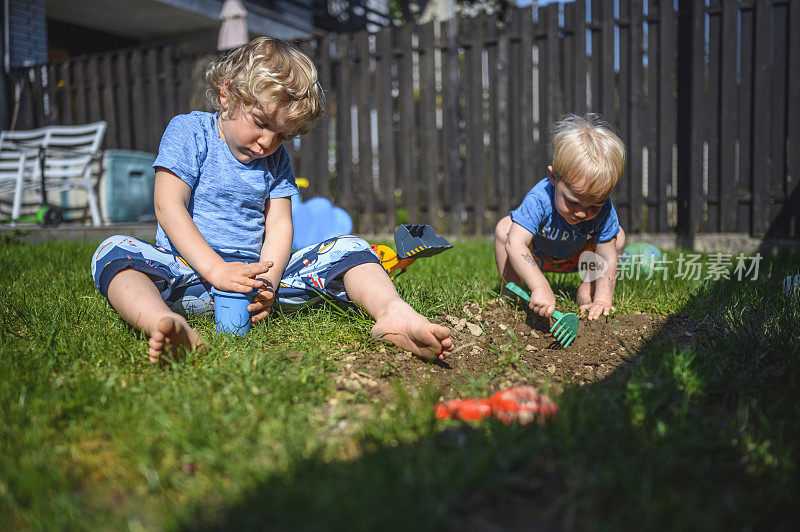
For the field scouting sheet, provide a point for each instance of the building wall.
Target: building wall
(27, 32)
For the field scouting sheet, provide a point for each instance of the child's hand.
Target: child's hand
(597, 308)
(262, 302)
(238, 276)
(543, 301)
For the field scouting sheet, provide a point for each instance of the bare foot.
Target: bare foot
(406, 328)
(173, 336)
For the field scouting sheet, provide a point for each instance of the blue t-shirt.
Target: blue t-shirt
(552, 234)
(228, 197)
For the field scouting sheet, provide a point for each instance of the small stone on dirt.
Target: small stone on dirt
(530, 347)
(451, 319)
(460, 325)
(474, 329)
(551, 368)
(534, 334)
(503, 327)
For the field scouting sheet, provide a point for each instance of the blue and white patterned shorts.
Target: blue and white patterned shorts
(313, 272)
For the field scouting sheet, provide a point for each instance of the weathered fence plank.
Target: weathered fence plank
(777, 213)
(691, 116)
(344, 125)
(365, 191)
(529, 173)
(168, 88)
(66, 101)
(318, 144)
(762, 90)
(429, 149)
(123, 100)
(406, 142)
(138, 100)
(94, 77)
(624, 82)
(451, 87)
(155, 92)
(575, 15)
(636, 114)
(711, 105)
(650, 126)
(473, 60)
(386, 138)
(490, 119)
(745, 133)
(110, 115)
(81, 113)
(793, 127)
(728, 196)
(502, 144)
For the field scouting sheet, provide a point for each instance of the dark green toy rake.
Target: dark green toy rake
(565, 329)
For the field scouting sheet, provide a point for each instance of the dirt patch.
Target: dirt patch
(503, 345)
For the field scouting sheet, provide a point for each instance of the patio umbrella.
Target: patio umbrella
(233, 30)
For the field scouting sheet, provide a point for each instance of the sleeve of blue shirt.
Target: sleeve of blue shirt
(609, 227)
(283, 186)
(531, 214)
(182, 148)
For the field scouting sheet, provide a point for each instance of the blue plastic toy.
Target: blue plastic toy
(230, 311)
(317, 219)
(642, 255)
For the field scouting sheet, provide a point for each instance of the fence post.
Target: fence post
(793, 127)
(690, 115)
(365, 190)
(451, 88)
(429, 148)
(387, 162)
(406, 142)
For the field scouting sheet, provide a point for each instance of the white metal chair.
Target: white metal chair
(64, 153)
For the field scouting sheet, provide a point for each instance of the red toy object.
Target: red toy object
(521, 404)
(464, 409)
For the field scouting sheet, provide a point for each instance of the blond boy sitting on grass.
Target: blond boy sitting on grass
(222, 200)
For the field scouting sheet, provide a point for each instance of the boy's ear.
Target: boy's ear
(552, 176)
(223, 95)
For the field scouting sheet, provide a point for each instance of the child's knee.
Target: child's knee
(501, 231)
(620, 242)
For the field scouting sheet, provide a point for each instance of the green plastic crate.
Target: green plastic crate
(126, 189)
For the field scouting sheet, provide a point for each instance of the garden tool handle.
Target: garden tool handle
(557, 315)
(519, 291)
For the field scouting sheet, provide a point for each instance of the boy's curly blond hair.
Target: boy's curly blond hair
(586, 147)
(268, 71)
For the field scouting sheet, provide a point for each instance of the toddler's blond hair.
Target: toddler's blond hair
(586, 147)
(268, 71)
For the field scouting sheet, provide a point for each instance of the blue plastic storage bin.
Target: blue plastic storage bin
(126, 189)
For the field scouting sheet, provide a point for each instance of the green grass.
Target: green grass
(92, 436)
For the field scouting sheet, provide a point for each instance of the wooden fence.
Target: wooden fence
(447, 123)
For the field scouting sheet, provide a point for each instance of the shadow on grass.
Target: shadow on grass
(701, 435)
